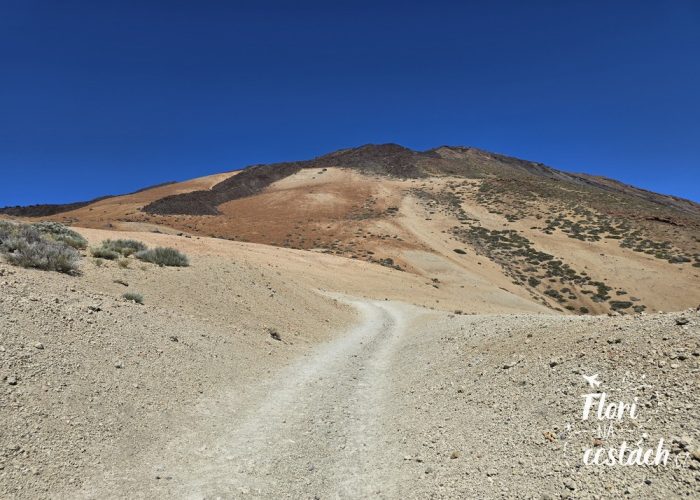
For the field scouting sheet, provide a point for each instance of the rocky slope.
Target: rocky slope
(266, 371)
(571, 242)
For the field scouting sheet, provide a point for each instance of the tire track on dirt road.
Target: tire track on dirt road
(316, 429)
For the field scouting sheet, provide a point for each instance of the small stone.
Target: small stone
(174, 338)
(570, 485)
(11, 380)
(274, 334)
(553, 363)
(492, 472)
(38, 345)
(119, 364)
(454, 454)
(682, 321)
(685, 442)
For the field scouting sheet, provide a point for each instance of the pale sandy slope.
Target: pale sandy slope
(188, 396)
(313, 270)
(117, 211)
(91, 379)
(417, 404)
(375, 218)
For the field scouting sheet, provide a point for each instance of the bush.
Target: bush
(163, 257)
(124, 247)
(59, 232)
(104, 253)
(6, 229)
(13, 236)
(620, 304)
(134, 297)
(46, 255)
(24, 245)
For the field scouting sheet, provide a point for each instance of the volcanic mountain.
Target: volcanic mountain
(461, 219)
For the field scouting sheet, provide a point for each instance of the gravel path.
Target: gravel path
(317, 428)
(415, 403)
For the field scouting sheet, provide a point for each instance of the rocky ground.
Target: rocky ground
(237, 377)
(88, 377)
(497, 405)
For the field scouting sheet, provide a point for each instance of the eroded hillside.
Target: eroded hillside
(455, 217)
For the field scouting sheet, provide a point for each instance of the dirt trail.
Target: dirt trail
(317, 428)
(410, 403)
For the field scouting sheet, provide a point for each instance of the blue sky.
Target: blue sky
(108, 97)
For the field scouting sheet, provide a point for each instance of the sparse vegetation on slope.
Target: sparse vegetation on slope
(27, 246)
(163, 256)
(133, 297)
(104, 253)
(59, 232)
(114, 249)
(124, 247)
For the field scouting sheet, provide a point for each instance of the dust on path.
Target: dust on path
(316, 428)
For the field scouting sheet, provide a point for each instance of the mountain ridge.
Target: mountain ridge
(459, 217)
(394, 160)
(390, 159)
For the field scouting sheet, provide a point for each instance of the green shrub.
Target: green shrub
(59, 232)
(133, 297)
(554, 294)
(13, 236)
(163, 256)
(678, 259)
(104, 253)
(24, 245)
(124, 247)
(620, 304)
(123, 263)
(6, 230)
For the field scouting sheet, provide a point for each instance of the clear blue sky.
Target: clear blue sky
(101, 97)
